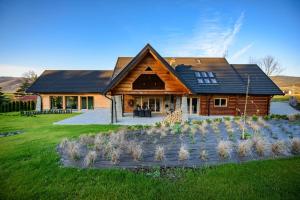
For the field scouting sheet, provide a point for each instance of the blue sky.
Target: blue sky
(39, 35)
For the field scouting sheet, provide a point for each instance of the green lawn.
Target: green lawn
(30, 169)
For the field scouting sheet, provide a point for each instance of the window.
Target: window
(72, 102)
(200, 80)
(56, 102)
(197, 74)
(210, 74)
(220, 102)
(148, 82)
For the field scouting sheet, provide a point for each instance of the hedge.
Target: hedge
(17, 106)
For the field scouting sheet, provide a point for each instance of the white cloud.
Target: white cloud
(241, 52)
(17, 70)
(211, 38)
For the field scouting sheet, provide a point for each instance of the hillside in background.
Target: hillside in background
(288, 83)
(10, 84)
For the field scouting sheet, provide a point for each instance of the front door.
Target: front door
(192, 105)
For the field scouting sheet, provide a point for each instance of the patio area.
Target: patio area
(102, 116)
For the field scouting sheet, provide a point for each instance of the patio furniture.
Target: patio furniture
(142, 113)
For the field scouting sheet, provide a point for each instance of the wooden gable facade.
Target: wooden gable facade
(149, 64)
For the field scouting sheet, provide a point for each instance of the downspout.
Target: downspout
(112, 107)
(36, 100)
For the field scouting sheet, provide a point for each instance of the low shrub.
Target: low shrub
(254, 118)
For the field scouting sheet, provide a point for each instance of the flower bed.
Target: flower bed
(190, 144)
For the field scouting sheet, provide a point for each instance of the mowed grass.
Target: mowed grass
(30, 169)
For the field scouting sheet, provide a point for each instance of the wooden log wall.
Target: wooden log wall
(257, 105)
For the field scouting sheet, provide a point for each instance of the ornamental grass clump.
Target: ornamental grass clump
(135, 150)
(86, 139)
(259, 145)
(244, 148)
(224, 149)
(183, 153)
(203, 155)
(115, 156)
(295, 145)
(63, 144)
(73, 150)
(278, 148)
(159, 153)
(90, 158)
(100, 141)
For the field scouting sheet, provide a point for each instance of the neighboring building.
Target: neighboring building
(197, 85)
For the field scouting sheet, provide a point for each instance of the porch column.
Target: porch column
(38, 106)
(64, 102)
(113, 110)
(118, 99)
(184, 108)
(177, 103)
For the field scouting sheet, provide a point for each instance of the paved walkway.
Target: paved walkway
(282, 108)
(102, 116)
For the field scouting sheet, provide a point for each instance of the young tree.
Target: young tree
(268, 64)
(29, 78)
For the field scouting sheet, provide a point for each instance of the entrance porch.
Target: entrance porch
(163, 104)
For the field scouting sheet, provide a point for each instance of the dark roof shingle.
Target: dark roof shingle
(71, 81)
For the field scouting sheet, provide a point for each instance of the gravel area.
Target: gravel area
(271, 131)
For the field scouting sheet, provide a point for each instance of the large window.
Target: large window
(71, 102)
(56, 102)
(220, 102)
(148, 82)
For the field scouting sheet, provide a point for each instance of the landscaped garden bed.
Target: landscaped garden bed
(188, 144)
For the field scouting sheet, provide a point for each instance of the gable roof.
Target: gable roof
(71, 81)
(260, 83)
(120, 72)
